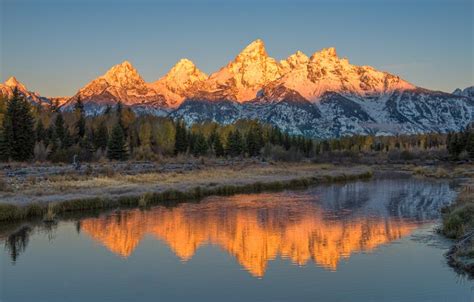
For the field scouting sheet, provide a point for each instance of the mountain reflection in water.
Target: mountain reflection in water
(257, 228)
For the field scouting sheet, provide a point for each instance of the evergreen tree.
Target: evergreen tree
(4, 147)
(101, 137)
(117, 149)
(81, 120)
(18, 129)
(470, 144)
(87, 146)
(234, 145)
(218, 147)
(455, 145)
(215, 143)
(68, 140)
(200, 145)
(181, 138)
(254, 140)
(53, 140)
(40, 131)
(286, 141)
(59, 129)
(119, 111)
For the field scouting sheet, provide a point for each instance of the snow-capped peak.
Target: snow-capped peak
(7, 88)
(177, 84)
(183, 72)
(123, 75)
(296, 60)
(254, 49)
(329, 52)
(243, 77)
(12, 82)
(467, 92)
(326, 56)
(325, 72)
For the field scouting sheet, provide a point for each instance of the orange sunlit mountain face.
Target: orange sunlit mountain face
(253, 228)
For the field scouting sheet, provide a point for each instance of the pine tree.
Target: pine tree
(40, 131)
(81, 120)
(455, 144)
(52, 138)
(234, 145)
(87, 146)
(119, 111)
(254, 140)
(200, 145)
(101, 137)
(59, 129)
(470, 144)
(18, 129)
(4, 147)
(215, 143)
(117, 149)
(181, 138)
(286, 141)
(68, 140)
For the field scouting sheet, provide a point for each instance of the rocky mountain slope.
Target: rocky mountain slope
(467, 92)
(7, 88)
(320, 96)
(323, 96)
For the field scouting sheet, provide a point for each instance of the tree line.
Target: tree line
(461, 145)
(46, 134)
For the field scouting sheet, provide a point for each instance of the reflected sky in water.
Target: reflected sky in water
(359, 241)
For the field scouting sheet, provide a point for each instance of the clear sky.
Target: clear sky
(56, 46)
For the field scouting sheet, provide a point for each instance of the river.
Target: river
(359, 241)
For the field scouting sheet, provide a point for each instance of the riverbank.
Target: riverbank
(24, 197)
(457, 218)
(458, 224)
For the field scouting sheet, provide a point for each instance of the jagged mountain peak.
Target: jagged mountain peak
(328, 52)
(466, 92)
(183, 70)
(243, 77)
(254, 49)
(7, 88)
(324, 55)
(123, 75)
(296, 60)
(179, 81)
(13, 83)
(184, 62)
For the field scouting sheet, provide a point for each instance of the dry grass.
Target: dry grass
(458, 219)
(171, 194)
(458, 223)
(241, 173)
(434, 172)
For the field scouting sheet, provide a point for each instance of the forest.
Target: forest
(44, 133)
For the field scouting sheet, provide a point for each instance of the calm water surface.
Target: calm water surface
(363, 241)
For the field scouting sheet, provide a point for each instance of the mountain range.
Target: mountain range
(319, 96)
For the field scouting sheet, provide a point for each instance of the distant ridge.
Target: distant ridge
(319, 96)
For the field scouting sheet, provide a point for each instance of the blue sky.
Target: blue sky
(55, 47)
